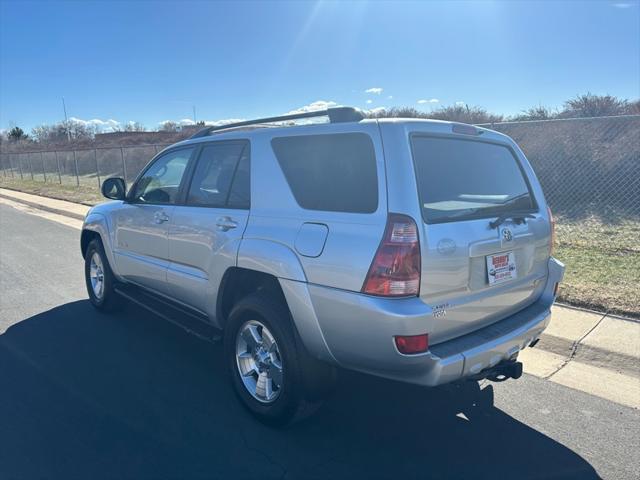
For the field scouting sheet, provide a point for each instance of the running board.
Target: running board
(182, 317)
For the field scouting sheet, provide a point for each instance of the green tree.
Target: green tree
(16, 134)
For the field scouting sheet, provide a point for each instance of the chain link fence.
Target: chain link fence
(589, 169)
(81, 167)
(590, 172)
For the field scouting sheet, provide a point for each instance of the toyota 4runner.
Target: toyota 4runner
(414, 250)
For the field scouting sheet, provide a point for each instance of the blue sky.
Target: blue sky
(152, 61)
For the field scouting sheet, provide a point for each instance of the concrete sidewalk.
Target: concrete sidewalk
(588, 351)
(593, 352)
(61, 207)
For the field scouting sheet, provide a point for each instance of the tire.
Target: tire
(99, 279)
(303, 382)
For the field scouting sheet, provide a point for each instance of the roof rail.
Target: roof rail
(335, 114)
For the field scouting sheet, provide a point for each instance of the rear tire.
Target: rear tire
(271, 372)
(99, 279)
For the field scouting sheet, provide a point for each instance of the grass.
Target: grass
(602, 259)
(603, 264)
(85, 194)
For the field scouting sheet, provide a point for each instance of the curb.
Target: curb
(599, 357)
(46, 208)
(52, 197)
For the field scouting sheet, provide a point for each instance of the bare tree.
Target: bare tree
(397, 112)
(536, 113)
(134, 127)
(634, 108)
(169, 126)
(465, 114)
(590, 105)
(455, 113)
(60, 133)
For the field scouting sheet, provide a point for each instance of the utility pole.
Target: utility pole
(66, 121)
(194, 114)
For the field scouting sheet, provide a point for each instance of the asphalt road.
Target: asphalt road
(85, 395)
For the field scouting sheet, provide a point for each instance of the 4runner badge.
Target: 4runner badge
(440, 311)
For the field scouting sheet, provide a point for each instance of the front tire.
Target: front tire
(99, 278)
(271, 372)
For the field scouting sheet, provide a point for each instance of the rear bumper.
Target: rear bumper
(357, 333)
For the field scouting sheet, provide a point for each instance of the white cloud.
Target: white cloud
(100, 125)
(217, 123)
(369, 101)
(431, 100)
(188, 122)
(461, 104)
(623, 5)
(312, 107)
(390, 97)
(374, 90)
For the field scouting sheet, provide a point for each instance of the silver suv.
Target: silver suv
(414, 250)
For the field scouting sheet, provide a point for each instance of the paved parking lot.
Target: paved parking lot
(85, 395)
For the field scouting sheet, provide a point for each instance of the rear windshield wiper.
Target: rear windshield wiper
(517, 217)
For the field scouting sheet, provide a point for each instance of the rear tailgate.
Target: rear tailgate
(475, 272)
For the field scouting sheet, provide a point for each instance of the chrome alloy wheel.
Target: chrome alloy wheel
(96, 275)
(259, 361)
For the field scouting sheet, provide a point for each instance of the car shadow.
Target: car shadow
(87, 395)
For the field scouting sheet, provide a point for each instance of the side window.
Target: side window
(335, 172)
(240, 195)
(161, 182)
(214, 173)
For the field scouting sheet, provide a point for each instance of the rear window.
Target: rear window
(335, 172)
(463, 179)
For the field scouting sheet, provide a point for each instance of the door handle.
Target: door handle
(160, 217)
(226, 223)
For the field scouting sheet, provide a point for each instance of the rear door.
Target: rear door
(475, 272)
(207, 226)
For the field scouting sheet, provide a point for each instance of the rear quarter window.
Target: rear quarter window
(332, 172)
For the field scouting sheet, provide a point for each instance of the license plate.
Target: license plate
(501, 267)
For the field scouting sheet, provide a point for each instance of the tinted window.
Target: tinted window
(213, 174)
(460, 179)
(161, 181)
(240, 195)
(330, 172)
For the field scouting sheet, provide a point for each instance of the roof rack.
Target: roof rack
(335, 114)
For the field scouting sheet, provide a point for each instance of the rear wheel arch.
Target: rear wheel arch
(238, 283)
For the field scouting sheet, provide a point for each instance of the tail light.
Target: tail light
(395, 270)
(553, 231)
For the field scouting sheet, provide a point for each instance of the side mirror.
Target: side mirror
(114, 188)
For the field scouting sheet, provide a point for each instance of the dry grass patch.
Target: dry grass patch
(603, 264)
(87, 195)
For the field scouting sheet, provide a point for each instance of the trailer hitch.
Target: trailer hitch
(500, 372)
